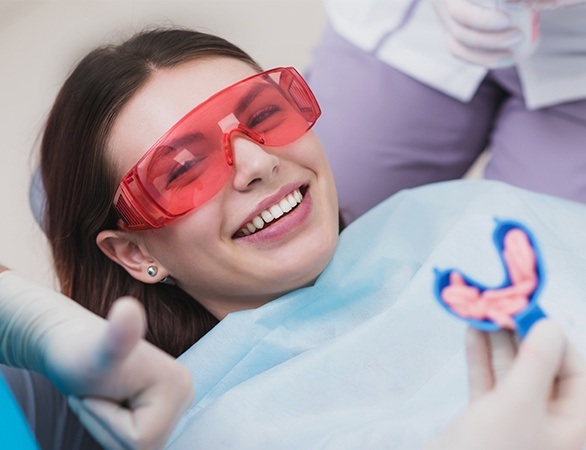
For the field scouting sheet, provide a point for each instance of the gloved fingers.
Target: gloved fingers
(478, 360)
(539, 361)
(490, 59)
(490, 41)
(96, 416)
(570, 387)
(126, 326)
(573, 367)
(503, 349)
(116, 427)
(490, 357)
(568, 400)
(477, 34)
(468, 14)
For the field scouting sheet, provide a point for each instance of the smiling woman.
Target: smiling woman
(178, 172)
(254, 166)
(138, 91)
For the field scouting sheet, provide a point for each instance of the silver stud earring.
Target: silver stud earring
(152, 270)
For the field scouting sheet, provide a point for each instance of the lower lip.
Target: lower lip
(285, 226)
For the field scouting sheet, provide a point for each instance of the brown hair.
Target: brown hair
(80, 183)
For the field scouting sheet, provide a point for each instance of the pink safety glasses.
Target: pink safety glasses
(193, 160)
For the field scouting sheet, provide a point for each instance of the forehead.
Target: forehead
(164, 99)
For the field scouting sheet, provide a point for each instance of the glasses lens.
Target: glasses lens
(188, 166)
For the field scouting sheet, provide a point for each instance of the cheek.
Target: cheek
(180, 244)
(325, 177)
(311, 156)
(315, 157)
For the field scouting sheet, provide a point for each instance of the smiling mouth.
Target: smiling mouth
(272, 214)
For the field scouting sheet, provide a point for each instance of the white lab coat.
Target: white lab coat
(408, 35)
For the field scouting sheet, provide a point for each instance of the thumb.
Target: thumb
(539, 361)
(126, 326)
(480, 378)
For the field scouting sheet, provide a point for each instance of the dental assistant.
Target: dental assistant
(413, 91)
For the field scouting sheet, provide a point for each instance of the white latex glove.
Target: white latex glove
(541, 5)
(540, 404)
(478, 34)
(128, 393)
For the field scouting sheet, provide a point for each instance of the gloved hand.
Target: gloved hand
(126, 392)
(540, 404)
(478, 34)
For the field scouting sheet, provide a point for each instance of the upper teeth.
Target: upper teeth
(272, 213)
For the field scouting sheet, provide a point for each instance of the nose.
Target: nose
(252, 164)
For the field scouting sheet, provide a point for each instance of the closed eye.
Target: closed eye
(263, 115)
(181, 169)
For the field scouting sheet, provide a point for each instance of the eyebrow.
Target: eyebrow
(171, 147)
(249, 97)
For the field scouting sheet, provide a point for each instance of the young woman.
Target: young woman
(214, 265)
(176, 171)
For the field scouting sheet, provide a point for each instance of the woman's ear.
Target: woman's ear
(117, 246)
